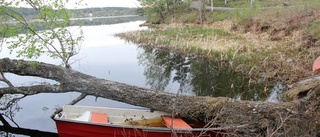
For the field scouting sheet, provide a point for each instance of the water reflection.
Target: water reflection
(197, 75)
(6, 130)
(9, 108)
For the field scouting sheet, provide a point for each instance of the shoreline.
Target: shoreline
(253, 54)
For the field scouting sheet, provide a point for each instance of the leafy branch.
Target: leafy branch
(48, 35)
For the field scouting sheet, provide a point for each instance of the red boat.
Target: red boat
(83, 121)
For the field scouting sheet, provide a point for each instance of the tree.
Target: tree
(246, 118)
(48, 35)
(33, 36)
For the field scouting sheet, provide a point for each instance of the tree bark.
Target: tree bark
(261, 117)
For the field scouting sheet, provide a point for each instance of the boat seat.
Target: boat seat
(84, 117)
(175, 123)
(99, 118)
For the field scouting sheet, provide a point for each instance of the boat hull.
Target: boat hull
(85, 121)
(75, 129)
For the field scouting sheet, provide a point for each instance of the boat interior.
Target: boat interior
(133, 117)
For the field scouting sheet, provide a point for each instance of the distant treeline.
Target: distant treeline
(107, 11)
(106, 21)
(31, 13)
(88, 17)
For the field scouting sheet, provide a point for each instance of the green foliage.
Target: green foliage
(152, 6)
(30, 13)
(9, 31)
(48, 35)
(163, 8)
(155, 19)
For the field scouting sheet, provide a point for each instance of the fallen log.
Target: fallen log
(261, 117)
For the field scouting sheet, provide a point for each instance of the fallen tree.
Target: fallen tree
(259, 118)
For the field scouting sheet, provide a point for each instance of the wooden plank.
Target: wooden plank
(175, 123)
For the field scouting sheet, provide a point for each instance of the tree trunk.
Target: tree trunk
(161, 15)
(259, 117)
(211, 5)
(168, 6)
(201, 6)
(251, 3)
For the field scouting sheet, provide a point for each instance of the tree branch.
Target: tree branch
(5, 80)
(32, 90)
(73, 102)
(32, 4)
(4, 121)
(11, 103)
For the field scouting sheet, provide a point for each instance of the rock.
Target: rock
(286, 3)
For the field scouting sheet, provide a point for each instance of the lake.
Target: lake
(105, 56)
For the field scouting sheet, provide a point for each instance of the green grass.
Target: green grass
(313, 30)
(188, 32)
(219, 15)
(262, 3)
(231, 3)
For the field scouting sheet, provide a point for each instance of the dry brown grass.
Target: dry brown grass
(268, 47)
(272, 45)
(273, 60)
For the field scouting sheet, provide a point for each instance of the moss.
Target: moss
(294, 92)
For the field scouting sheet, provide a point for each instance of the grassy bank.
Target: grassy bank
(268, 45)
(277, 44)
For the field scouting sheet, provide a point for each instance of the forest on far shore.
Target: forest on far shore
(30, 13)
